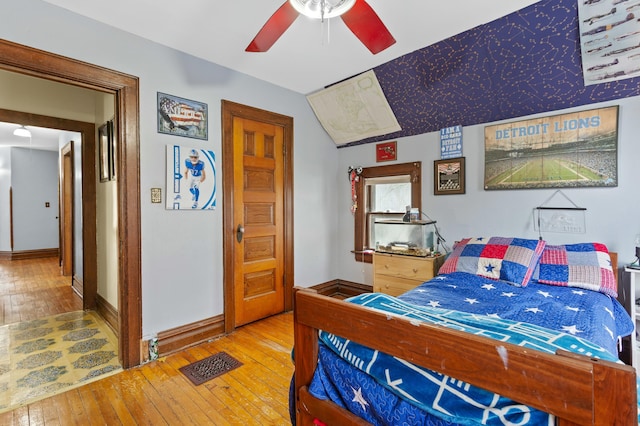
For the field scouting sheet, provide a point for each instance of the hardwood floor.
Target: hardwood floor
(34, 288)
(157, 393)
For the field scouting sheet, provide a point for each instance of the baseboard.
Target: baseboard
(182, 337)
(341, 289)
(179, 338)
(28, 254)
(108, 312)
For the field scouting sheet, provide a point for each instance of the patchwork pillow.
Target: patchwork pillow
(508, 259)
(584, 265)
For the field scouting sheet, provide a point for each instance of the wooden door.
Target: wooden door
(258, 206)
(66, 212)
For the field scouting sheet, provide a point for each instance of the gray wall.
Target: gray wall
(611, 216)
(5, 188)
(34, 179)
(168, 235)
(323, 224)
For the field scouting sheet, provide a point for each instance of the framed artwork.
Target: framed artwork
(448, 176)
(191, 178)
(182, 117)
(111, 150)
(387, 151)
(103, 152)
(573, 150)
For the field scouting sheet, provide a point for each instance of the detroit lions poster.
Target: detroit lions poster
(191, 178)
(182, 117)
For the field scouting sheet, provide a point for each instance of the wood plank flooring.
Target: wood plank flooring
(157, 393)
(34, 288)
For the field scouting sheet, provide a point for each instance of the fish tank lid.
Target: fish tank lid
(400, 222)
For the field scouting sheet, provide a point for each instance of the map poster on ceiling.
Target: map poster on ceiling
(191, 178)
(451, 142)
(609, 40)
(354, 109)
(572, 150)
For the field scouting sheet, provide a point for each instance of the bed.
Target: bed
(571, 376)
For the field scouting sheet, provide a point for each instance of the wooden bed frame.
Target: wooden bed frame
(577, 389)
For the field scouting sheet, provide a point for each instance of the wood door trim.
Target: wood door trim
(37, 63)
(67, 151)
(229, 111)
(87, 130)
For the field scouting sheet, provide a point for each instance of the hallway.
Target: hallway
(48, 344)
(32, 289)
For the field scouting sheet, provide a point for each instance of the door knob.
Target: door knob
(239, 233)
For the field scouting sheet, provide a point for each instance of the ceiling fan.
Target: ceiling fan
(359, 17)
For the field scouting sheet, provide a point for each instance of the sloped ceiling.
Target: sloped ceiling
(525, 63)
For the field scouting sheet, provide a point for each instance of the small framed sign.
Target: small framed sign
(448, 176)
(386, 151)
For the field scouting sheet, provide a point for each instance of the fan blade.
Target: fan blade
(273, 28)
(365, 23)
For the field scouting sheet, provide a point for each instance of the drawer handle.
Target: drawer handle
(386, 266)
(386, 286)
(415, 271)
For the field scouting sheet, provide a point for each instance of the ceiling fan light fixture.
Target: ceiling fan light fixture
(321, 9)
(22, 131)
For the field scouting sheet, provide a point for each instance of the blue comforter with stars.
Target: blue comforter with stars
(539, 316)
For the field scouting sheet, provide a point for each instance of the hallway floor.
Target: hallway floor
(43, 357)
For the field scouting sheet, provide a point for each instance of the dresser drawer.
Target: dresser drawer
(413, 268)
(393, 286)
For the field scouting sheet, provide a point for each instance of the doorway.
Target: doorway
(257, 146)
(125, 88)
(66, 213)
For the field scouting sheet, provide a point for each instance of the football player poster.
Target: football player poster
(191, 178)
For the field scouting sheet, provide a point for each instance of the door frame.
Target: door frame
(230, 110)
(66, 233)
(87, 130)
(38, 63)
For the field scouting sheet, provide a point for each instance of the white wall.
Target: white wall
(106, 214)
(181, 285)
(19, 93)
(612, 215)
(34, 179)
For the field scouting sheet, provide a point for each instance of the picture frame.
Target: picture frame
(569, 150)
(112, 149)
(103, 152)
(386, 151)
(182, 117)
(449, 176)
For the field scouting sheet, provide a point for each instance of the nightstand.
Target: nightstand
(395, 274)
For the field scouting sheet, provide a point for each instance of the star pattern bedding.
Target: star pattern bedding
(589, 322)
(590, 315)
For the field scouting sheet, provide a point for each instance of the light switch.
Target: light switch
(46, 204)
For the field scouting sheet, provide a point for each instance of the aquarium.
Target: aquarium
(415, 238)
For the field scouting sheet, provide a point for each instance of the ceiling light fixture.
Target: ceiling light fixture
(321, 9)
(23, 132)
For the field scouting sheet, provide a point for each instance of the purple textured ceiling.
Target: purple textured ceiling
(525, 63)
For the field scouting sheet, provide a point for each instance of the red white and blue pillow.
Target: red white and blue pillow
(584, 265)
(508, 259)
